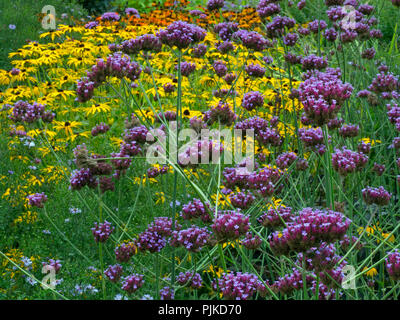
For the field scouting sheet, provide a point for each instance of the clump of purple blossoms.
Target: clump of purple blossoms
(393, 264)
(201, 152)
(267, 8)
(54, 264)
(116, 65)
(181, 34)
(215, 4)
(275, 218)
(379, 169)
(316, 25)
(110, 16)
(196, 209)
(163, 226)
(346, 161)
(37, 199)
(150, 241)
(220, 68)
(255, 70)
(378, 196)
(230, 225)
(309, 229)
(101, 232)
(221, 113)
(114, 273)
(323, 95)
(167, 293)
(313, 62)
(384, 83)
(187, 68)
(99, 129)
(132, 283)
(242, 200)
(189, 279)
(349, 130)
(290, 39)
(252, 100)
(132, 12)
(313, 138)
(225, 47)
(225, 30)
(193, 238)
(146, 42)
(238, 286)
(26, 112)
(199, 50)
(278, 25)
(251, 40)
(284, 160)
(125, 251)
(251, 242)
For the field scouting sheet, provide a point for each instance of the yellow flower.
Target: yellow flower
(371, 272)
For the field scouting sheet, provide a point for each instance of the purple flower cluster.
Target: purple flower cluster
(99, 129)
(309, 229)
(201, 152)
(275, 218)
(323, 95)
(196, 209)
(252, 100)
(116, 65)
(225, 47)
(150, 241)
(199, 50)
(378, 196)
(220, 68)
(215, 4)
(54, 264)
(132, 283)
(189, 279)
(114, 273)
(146, 42)
(125, 251)
(221, 113)
(26, 112)
(163, 226)
(167, 293)
(285, 160)
(187, 68)
(251, 242)
(242, 200)
(346, 161)
(110, 16)
(193, 238)
(276, 28)
(238, 286)
(102, 231)
(230, 225)
(393, 264)
(251, 40)
(181, 34)
(313, 138)
(267, 8)
(349, 130)
(255, 70)
(37, 200)
(225, 30)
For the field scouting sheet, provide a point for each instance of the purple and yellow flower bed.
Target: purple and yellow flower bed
(204, 154)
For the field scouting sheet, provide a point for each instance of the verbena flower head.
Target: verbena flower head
(222, 113)
(196, 209)
(378, 196)
(125, 251)
(215, 4)
(392, 262)
(181, 34)
(252, 100)
(242, 200)
(309, 229)
(102, 231)
(167, 293)
(284, 160)
(132, 283)
(150, 241)
(346, 161)
(275, 218)
(190, 279)
(267, 8)
(37, 199)
(193, 238)
(251, 40)
(230, 225)
(114, 273)
(238, 286)
(255, 70)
